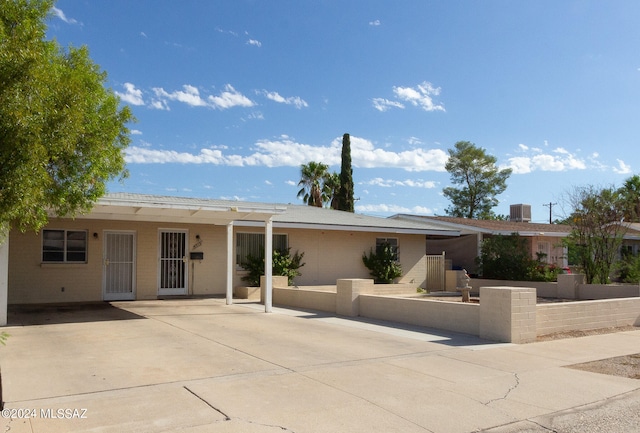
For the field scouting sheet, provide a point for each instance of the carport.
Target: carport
(141, 208)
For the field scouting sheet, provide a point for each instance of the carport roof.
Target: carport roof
(143, 207)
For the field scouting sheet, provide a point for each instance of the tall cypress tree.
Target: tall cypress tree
(345, 195)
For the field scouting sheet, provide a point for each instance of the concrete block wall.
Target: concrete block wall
(585, 315)
(508, 314)
(320, 300)
(450, 316)
(505, 314)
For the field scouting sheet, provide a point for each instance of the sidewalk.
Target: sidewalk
(197, 365)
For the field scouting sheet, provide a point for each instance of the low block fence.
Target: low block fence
(569, 286)
(504, 314)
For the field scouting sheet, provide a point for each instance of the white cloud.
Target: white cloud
(229, 98)
(58, 12)
(136, 132)
(393, 209)
(374, 23)
(190, 95)
(283, 151)
(291, 183)
(388, 183)
(536, 159)
(296, 101)
(420, 95)
(622, 167)
(383, 105)
(131, 95)
(364, 154)
(254, 42)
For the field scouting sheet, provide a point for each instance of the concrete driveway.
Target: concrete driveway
(197, 365)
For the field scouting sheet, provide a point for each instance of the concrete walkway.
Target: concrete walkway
(197, 365)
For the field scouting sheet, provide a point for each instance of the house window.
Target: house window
(544, 250)
(64, 246)
(252, 244)
(393, 243)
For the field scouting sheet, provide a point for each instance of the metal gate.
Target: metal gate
(435, 265)
(172, 278)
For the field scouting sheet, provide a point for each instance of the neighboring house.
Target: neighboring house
(462, 250)
(133, 246)
(631, 240)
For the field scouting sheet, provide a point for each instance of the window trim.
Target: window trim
(65, 247)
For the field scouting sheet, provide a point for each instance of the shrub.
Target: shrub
(283, 263)
(628, 268)
(382, 264)
(508, 258)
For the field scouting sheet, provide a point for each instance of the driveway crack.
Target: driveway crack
(511, 388)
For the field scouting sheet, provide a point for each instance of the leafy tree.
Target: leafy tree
(383, 264)
(597, 230)
(62, 133)
(312, 180)
(345, 200)
(283, 264)
(479, 180)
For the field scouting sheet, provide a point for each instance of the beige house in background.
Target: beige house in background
(133, 246)
(462, 250)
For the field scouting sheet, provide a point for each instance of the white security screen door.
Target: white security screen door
(119, 266)
(173, 263)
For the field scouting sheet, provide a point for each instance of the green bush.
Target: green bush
(628, 269)
(507, 257)
(283, 264)
(382, 264)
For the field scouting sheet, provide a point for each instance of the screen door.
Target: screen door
(173, 263)
(119, 266)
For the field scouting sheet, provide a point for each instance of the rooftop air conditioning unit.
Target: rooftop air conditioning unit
(520, 213)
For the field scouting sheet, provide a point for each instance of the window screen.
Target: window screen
(64, 246)
(252, 244)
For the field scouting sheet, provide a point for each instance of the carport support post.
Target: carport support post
(268, 264)
(230, 263)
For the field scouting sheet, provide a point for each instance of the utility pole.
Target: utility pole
(550, 206)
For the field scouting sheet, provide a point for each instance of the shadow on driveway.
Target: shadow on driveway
(30, 315)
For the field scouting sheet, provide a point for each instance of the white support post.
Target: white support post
(4, 275)
(230, 263)
(268, 264)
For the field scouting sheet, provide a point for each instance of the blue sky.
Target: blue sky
(231, 97)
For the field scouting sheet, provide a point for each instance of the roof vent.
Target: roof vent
(520, 213)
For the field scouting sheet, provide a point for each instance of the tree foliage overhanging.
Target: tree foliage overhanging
(62, 132)
(479, 180)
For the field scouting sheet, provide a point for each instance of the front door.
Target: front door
(172, 278)
(119, 264)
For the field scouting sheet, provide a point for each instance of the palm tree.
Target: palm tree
(332, 188)
(312, 180)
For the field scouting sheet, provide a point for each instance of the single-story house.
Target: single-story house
(134, 246)
(462, 250)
